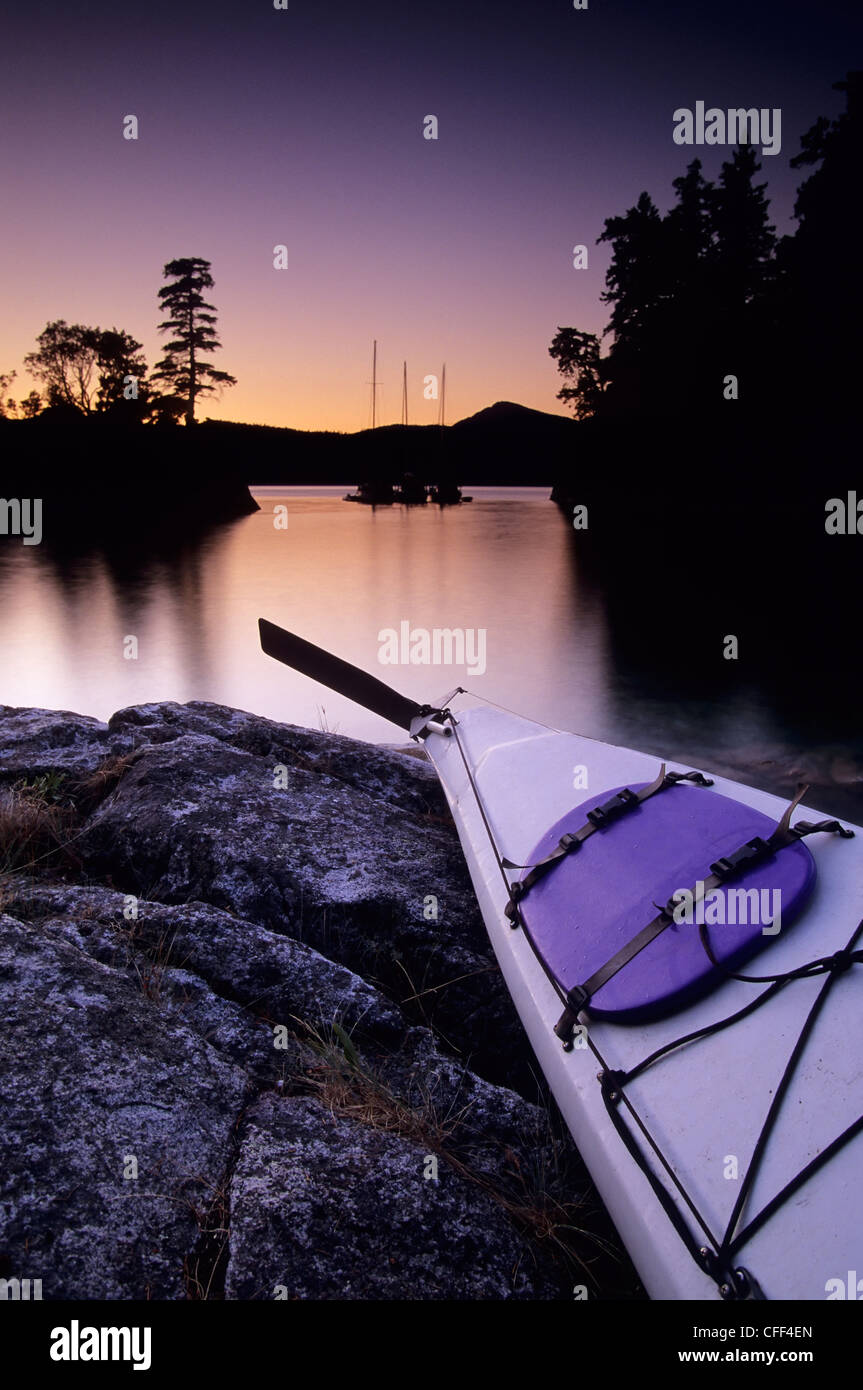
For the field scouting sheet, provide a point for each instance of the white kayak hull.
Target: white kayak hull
(705, 1103)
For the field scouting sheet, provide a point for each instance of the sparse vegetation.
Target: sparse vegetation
(204, 1267)
(149, 959)
(324, 723)
(552, 1224)
(36, 821)
(486, 1153)
(40, 817)
(92, 789)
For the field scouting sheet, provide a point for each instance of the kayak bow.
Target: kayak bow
(720, 1114)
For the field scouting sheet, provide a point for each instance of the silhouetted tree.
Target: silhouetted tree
(690, 296)
(191, 321)
(578, 360)
(745, 242)
(639, 287)
(743, 270)
(691, 247)
(122, 372)
(66, 363)
(85, 367)
(7, 405)
(823, 300)
(690, 225)
(638, 280)
(163, 409)
(31, 405)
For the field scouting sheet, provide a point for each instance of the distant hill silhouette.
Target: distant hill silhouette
(106, 482)
(503, 444)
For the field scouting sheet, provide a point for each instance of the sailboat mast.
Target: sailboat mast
(404, 393)
(375, 384)
(442, 409)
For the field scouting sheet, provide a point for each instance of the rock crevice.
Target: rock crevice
(240, 1060)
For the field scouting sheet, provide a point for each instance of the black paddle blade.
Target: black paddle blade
(339, 675)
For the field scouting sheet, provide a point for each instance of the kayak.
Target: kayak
(684, 953)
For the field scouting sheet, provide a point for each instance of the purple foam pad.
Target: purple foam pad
(594, 901)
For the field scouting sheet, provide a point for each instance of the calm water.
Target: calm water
(507, 564)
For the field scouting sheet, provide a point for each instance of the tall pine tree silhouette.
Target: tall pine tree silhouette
(191, 320)
(824, 291)
(690, 296)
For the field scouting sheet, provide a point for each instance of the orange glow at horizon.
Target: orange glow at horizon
(326, 387)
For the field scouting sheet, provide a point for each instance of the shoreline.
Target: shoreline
(229, 956)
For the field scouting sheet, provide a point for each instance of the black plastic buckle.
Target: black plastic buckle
(731, 864)
(569, 842)
(577, 999)
(512, 913)
(603, 815)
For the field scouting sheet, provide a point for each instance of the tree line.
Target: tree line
(101, 372)
(707, 304)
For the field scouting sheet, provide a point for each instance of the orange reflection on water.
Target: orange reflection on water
(338, 575)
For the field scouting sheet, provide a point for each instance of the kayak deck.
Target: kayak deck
(593, 903)
(704, 1105)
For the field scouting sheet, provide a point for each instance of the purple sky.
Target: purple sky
(304, 127)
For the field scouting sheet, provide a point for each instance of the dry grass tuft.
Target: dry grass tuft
(36, 825)
(204, 1267)
(150, 959)
(551, 1224)
(40, 818)
(93, 788)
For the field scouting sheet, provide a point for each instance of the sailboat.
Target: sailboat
(374, 492)
(445, 492)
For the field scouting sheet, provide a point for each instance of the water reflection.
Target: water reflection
(571, 639)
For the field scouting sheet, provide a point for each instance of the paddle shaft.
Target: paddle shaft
(339, 675)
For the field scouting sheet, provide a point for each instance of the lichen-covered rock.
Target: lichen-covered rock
(492, 1129)
(385, 774)
(245, 918)
(285, 828)
(117, 1125)
(325, 1207)
(34, 742)
(276, 979)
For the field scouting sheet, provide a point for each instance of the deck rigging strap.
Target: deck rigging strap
(732, 1281)
(597, 819)
(755, 851)
(719, 1263)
